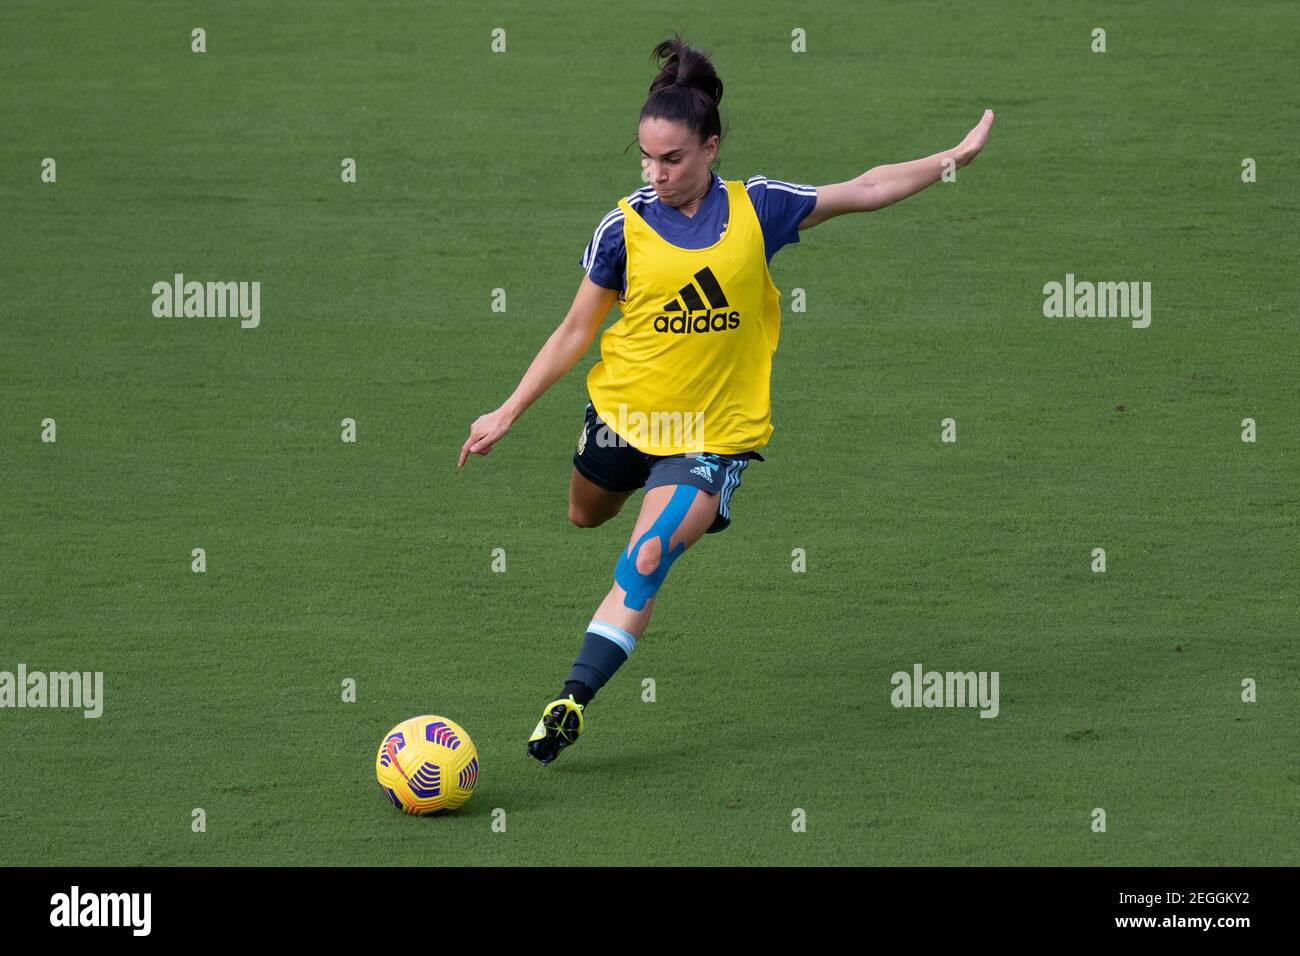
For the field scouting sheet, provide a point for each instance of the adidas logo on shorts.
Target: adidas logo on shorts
(703, 472)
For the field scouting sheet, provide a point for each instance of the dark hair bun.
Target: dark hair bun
(683, 65)
(696, 105)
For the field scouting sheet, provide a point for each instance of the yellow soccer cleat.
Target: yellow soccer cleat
(561, 725)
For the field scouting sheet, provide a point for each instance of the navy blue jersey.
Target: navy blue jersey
(781, 206)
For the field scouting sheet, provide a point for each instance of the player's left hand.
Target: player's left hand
(970, 147)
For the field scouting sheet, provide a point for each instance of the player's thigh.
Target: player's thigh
(590, 501)
(701, 510)
(606, 472)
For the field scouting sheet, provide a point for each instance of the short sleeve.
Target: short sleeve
(605, 258)
(781, 206)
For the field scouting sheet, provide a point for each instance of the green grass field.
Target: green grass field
(372, 561)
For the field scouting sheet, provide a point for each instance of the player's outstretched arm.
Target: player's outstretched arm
(883, 186)
(557, 356)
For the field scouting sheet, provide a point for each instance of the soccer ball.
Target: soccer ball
(427, 765)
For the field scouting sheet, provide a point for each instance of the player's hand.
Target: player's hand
(970, 147)
(486, 431)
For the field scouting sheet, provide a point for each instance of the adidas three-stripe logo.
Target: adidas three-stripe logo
(711, 305)
(712, 291)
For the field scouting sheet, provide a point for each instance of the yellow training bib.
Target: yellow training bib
(688, 366)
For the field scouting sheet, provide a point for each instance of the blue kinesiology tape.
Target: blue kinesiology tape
(642, 587)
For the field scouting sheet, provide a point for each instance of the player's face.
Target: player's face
(674, 160)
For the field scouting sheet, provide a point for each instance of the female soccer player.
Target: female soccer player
(680, 399)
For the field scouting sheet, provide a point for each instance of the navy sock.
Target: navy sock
(578, 691)
(604, 649)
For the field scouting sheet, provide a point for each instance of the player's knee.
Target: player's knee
(584, 519)
(647, 559)
(641, 569)
(642, 566)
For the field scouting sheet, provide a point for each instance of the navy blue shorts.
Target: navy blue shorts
(606, 460)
